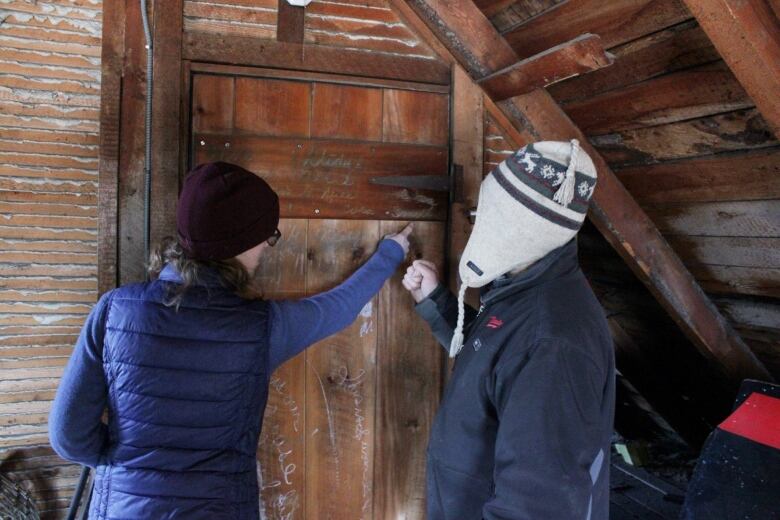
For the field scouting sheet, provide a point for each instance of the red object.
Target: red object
(757, 419)
(494, 323)
(224, 210)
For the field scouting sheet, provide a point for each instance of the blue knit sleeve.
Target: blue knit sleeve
(297, 324)
(76, 431)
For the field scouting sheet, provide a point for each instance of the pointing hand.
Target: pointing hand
(402, 237)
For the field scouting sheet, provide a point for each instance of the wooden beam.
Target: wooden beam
(322, 77)
(242, 50)
(289, 22)
(112, 56)
(679, 47)
(492, 7)
(166, 104)
(725, 132)
(479, 57)
(467, 156)
(464, 30)
(747, 35)
(578, 56)
(743, 175)
(679, 96)
(130, 191)
(616, 21)
(121, 253)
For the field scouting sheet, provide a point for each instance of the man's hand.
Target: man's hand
(402, 237)
(421, 279)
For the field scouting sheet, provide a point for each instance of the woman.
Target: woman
(183, 363)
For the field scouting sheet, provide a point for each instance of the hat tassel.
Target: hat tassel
(457, 338)
(565, 193)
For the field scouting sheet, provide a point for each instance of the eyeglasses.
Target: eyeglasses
(273, 239)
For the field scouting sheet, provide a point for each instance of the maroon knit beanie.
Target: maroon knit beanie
(224, 210)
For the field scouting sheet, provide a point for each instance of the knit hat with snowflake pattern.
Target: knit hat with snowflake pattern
(532, 203)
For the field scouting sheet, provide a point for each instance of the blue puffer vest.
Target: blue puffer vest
(187, 390)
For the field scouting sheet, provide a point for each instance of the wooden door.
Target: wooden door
(347, 421)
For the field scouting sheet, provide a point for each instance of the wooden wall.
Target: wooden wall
(686, 140)
(49, 106)
(50, 109)
(367, 25)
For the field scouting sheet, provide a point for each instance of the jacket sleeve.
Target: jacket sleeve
(440, 311)
(548, 452)
(295, 325)
(76, 431)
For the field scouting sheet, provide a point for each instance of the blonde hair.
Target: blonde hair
(232, 273)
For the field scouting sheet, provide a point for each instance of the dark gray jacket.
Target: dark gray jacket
(524, 428)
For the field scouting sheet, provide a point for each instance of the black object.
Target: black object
(78, 493)
(736, 477)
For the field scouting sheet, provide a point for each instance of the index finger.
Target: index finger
(407, 230)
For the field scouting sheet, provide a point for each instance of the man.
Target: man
(523, 430)
(183, 363)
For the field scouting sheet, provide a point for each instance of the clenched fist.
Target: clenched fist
(421, 279)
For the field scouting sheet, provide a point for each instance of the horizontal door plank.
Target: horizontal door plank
(332, 178)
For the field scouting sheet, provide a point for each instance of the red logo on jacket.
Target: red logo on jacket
(494, 323)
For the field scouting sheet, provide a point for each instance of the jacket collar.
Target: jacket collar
(556, 264)
(207, 277)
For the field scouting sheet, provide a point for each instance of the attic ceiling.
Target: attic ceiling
(680, 132)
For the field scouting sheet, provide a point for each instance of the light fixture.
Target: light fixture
(299, 3)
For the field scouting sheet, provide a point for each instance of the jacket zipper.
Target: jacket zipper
(477, 322)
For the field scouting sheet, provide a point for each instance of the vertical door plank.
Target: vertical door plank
(409, 366)
(281, 450)
(282, 270)
(212, 104)
(340, 381)
(272, 107)
(345, 112)
(415, 117)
